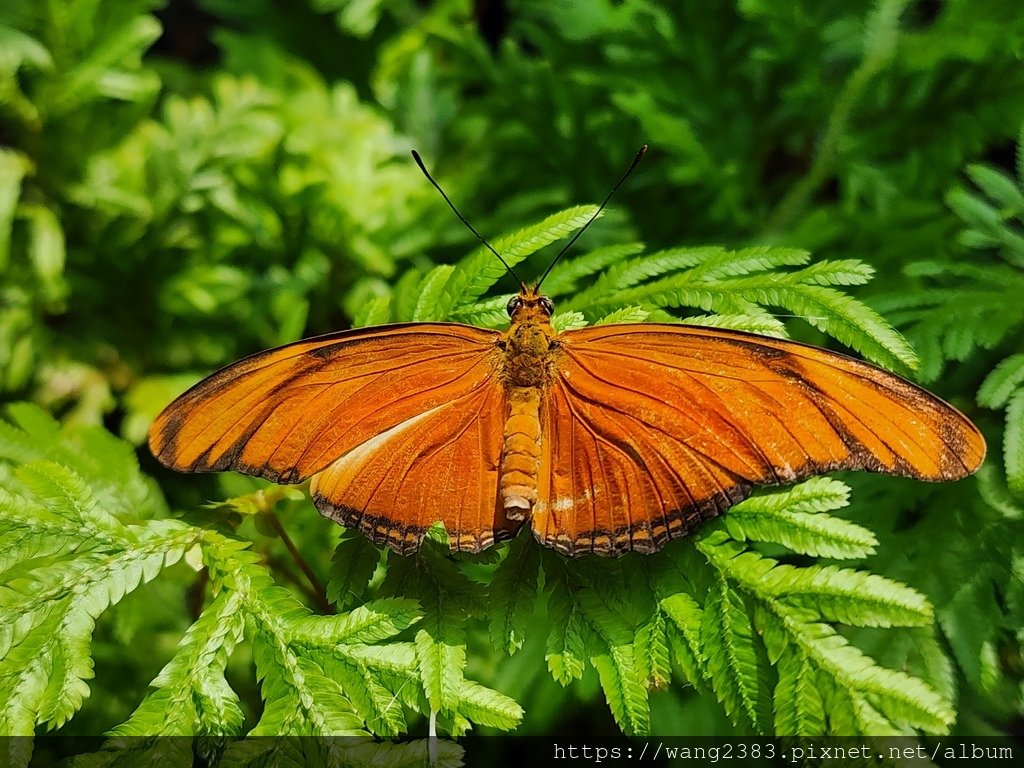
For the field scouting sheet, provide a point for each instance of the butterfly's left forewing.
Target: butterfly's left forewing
(404, 422)
(650, 429)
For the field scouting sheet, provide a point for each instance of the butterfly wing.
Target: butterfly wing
(442, 465)
(650, 429)
(404, 422)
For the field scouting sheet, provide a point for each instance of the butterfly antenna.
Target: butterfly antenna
(419, 162)
(619, 183)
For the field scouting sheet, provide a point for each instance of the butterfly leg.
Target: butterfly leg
(520, 456)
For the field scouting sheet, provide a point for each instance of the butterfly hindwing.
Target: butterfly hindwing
(441, 465)
(652, 428)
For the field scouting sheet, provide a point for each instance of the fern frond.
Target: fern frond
(352, 567)
(447, 598)
(624, 315)
(630, 273)
(819, 534)
(731, 658)
(746, 261)
(406, 295)
(1013, 443)
(368, 624)
(653, 654)
(191, 693)
(845, 319)
(566, 652)
(488, 313)
(759, 322)
(513, 593)
(440, 666)
(428, 305)
(845, 596)
(488, 707)
(611, 654)
(799, 710)
(1000, 188)
(108, 463)
(796, 518)
(902, 698)
(375, 311)
(568, 272)
(480, 270)
(568, 321)
(48, 614)
(1002, 382)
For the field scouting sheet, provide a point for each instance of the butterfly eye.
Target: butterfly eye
(547, 305)
(513, 304)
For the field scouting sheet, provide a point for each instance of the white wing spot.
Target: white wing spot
(365, 450)
(561, 505)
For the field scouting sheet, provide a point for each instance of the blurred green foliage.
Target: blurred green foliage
(182, 184)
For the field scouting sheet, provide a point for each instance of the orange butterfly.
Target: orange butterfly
(607, 439)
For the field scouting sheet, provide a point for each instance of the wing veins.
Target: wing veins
(704, 427)
(693, 451)
(328, 416)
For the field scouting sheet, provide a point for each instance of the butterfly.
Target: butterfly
(604, 440)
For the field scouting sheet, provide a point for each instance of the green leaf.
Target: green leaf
(568, 272)
(440, 666)
(799, 710)
(847, 597)
(999, 187)
(487, 707)
(764, 324)
(13, 167)
(354, 562)
(489, 313)
(513, 594)
(1013, 443)
(376, 311)
(191, 693)
(730, 654)
(634, 271)
(652, 651)
(902, 698)
(428, 306)
(624, 315)
(973, 210)
(480, 270)
(370, 623)
(609, 642)
(1002, 382)
(46, 249)
(795, 518)
(568, 321)
(566, 652)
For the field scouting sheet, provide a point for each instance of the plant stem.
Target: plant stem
(880, 44)
(319, 592)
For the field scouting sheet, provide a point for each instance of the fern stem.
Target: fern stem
(319, 592)
(195, 597)
(876, 58)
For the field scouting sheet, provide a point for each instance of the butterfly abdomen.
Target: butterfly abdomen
(525, 375)
(520, 455)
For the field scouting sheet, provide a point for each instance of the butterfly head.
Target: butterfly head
(530, 306)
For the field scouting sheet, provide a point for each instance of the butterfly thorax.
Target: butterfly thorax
(528, 341)
(527, 353)
(526, 372)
